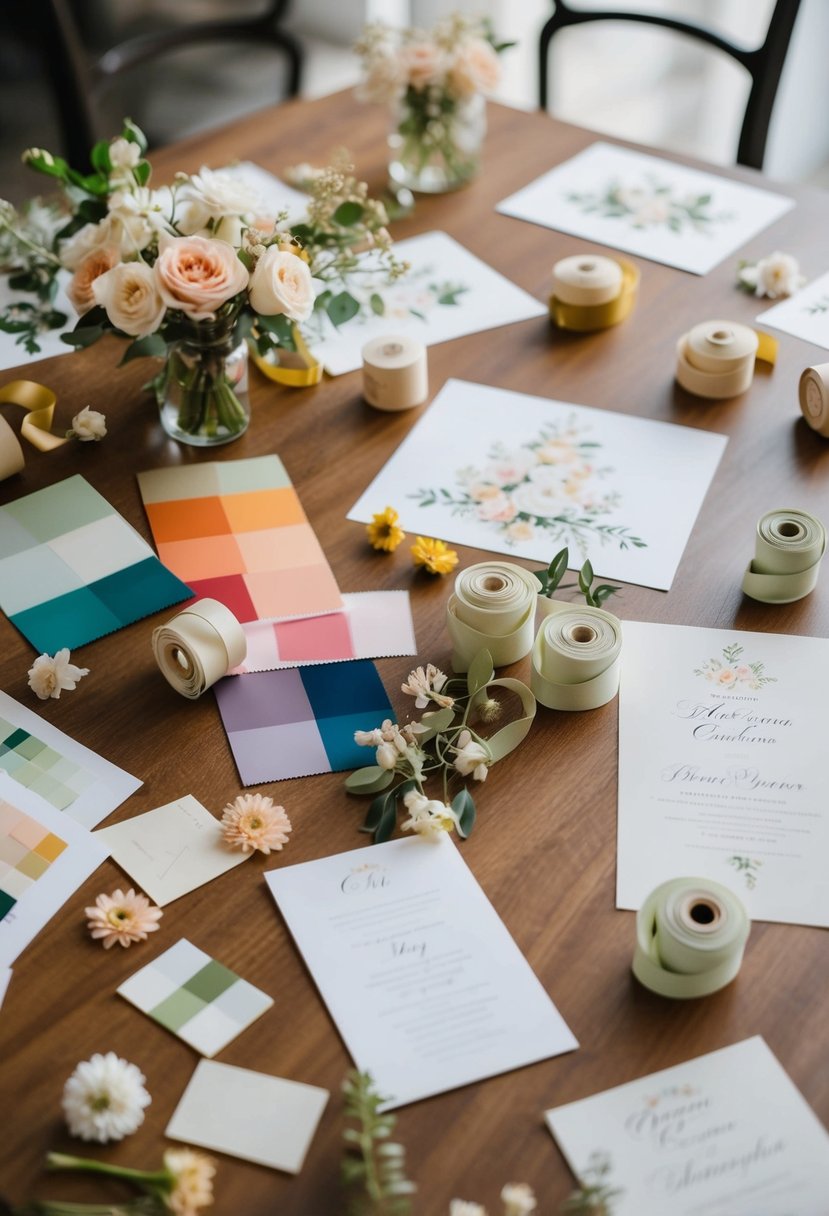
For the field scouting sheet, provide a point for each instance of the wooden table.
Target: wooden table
(544, 845)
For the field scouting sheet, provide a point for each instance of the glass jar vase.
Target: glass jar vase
(436, 143)
(202, 389)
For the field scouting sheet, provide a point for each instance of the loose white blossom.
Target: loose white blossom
(427, 816)
(462, 1207)
(49, 677)
(518, 1199)
(425, 685)
(775, 276)
(104, 1099)
(89, 425)
(471, 757)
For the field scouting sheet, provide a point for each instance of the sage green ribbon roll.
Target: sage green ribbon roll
(575, 663)
(492, 608)
(787, 555)
(199, 646)
(690, 937)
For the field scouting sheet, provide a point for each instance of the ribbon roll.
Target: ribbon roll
(395, 373)
(40, 401)
(690, 937)
(592, 292)
(492, 608)
(716, 358)
(787, 555)
(294, 369)
(813, 393)
(199, 646)
(11, 453)
(575, 662)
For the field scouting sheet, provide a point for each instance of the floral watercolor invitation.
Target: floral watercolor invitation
(647, 206)
(447, 293)
(721, 767)
(526, 475)
(727, 1134)
(805, 315)
(27, 307)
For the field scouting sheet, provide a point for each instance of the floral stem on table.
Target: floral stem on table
(550, 579)
(373, 1167)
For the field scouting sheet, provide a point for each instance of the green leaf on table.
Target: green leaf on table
(341, 308)
(153, 345)
(585, 578)
(377, 303)
(480, 672)
(348, 213)
(464, 808)
(368, 780)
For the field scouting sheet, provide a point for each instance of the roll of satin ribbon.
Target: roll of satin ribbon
(813, 393)
(575, 661)
(199, 646)
(11, 453)
(395, 373)
(590, 291)
(787, 554)
(492, 608)
(690, 938)
(716, 358)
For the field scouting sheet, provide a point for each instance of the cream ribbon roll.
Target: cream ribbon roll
(690, 938)
(787, 554)
(813, 393)
(11, 453)
(716, 358)
(492, 608)
(395, 373)
(199, 646)
(575, 663)
(590, 292)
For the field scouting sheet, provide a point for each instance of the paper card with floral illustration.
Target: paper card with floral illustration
(722, 773)
(805, 314)
(726, 1134)
(447, 293)
(648, 206)
(526, 476)
(27, 307)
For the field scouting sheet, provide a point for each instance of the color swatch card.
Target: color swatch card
(236, 532)
(248, 1115)
(727, 1134)
(447, 293)
(72, 569)
(172, 850)
(427, 987)
(645, 205)
(621, 491)
(301, 720)
(44, 858)
(198, 999)
(63, 773)
(372, 625)
(805, 314)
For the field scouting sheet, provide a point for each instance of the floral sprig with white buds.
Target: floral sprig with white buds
(446, 742)
(774, 276)
(517, 1197)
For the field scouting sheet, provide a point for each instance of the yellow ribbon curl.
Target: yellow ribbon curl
(40, 402)
(297, 369)
(586, 317)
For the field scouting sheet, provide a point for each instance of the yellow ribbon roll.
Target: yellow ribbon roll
(40, 402)
(492, 608)
(592, 292)
(690, 938)
(295, 369)
(575, 658)
(11, 453)
(395, 373)
(199, 646)
(787, 554)
(716, 358)
(813, 393)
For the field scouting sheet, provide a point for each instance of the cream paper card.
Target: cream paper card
(647, 206)
(727, 1134)
(5, 979)
(447, 293)
(172, 850)
(805, 314)
(249, 1115)
(526, 476)
(427, 987)
(722, 746)
(11, 352)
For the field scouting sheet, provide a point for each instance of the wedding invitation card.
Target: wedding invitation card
(727, 1134)
(722, 745)
(427, 987)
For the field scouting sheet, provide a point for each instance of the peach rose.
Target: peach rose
(96, 263)
(422, 64)
(129, 294)
(726, 677)
(475, 69)
(197, 275)
(281, 283)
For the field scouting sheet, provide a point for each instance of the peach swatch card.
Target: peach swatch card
(236, 532)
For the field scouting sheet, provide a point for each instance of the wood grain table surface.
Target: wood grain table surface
(544, 845)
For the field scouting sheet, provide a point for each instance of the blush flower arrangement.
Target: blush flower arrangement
(446, 743)
(189, 273)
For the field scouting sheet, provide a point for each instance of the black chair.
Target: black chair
(764, 64)
(81, 78)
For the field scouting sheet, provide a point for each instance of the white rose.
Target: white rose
(538, 500)
(131, 298)
(282, 283)
(548, 476)
(123, 154)
(778, 275)
(89, 425)
(139, 214)
(84, 241)
(211, 195)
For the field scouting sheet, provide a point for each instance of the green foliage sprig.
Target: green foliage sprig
(552, 576)
(595, 1196)
(373, 1166)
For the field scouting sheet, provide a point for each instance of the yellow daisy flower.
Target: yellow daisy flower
(383, 531)
(434, 555)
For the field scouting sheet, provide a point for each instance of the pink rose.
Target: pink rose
(422, 64)
(498, 510)
(96, 263)
(197, 275)
(475, 69)
(726, 677)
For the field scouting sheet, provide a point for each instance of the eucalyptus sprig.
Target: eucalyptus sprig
(595, 1196)
(373, 1166)
(552, 576)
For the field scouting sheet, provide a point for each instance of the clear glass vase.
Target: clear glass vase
(202, 389)
(433, 152)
